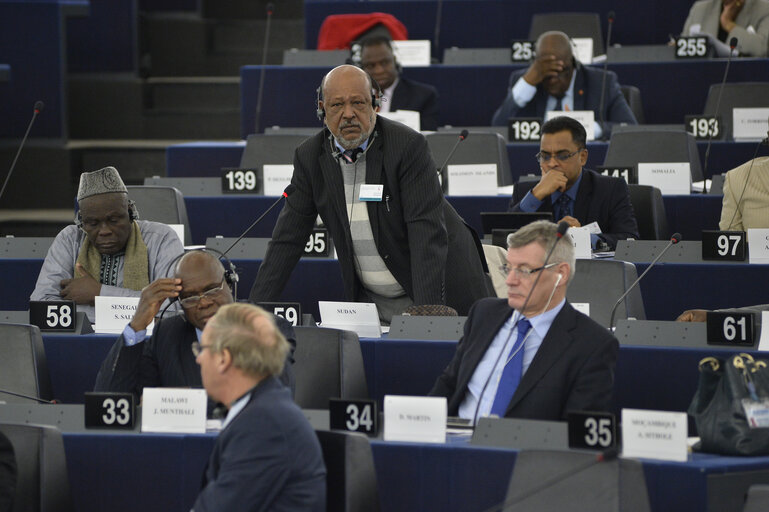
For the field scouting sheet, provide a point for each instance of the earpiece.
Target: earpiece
(376, 97)
(231, 276)
(560, 276)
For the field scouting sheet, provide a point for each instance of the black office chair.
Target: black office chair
(23, 365)
(600, 283)
(276, 149)
(351, 484)
(480, 147)
(757, 499)
(574, 24)
(735, 95)
(633, 97)
(42, 483)
(630, 145)
(301, 57)
(328, 364)
(161, 204)
(649, 212)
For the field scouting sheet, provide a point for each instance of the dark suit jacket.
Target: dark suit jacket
(267, 459)
(601, 199)
(422, 240)
(166, 360)
(572, 370)
(8, 474)
(587, 96)
(423, 98)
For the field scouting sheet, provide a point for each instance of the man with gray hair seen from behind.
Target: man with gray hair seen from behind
(267, 456)
(533, 355)
(108, 251)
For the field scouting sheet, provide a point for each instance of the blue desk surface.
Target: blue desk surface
(162, 472)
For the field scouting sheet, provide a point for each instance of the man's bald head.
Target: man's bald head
(554, 42)
(556, 45)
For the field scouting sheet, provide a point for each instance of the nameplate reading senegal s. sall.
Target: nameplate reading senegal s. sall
(415, 418)
(654, 434)
(353, 415)
(585, 117)
(670, 177)
(758, 243)
(110, 410)
(724, 245)
(524, 129)
(359, 317)
(472, 179)
(729, 328)
(53, 316)
(178, 410)
(276, 178)
(113, 313)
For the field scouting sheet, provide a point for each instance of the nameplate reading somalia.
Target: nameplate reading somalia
(472, 179)
(53, 316)
(177, 410)
(654, 434)
(113, 313)
(415, 418)
(670, 177)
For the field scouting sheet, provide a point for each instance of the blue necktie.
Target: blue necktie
(564, 206)
(511, 374)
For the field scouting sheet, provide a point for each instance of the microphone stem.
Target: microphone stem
(273, 205)
(18, 152)
(710, 132)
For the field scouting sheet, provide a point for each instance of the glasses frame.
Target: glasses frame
(541, 158)
(197, 348)
(524, 273)
(194, 300)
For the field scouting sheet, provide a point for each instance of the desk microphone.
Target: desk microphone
(37, 109)
(562, 227)
(442, 169)
(28, 397)
(289, 190)
(605, 456)
(270, 9)
(605, 68)
(732, 47)
(673, 240)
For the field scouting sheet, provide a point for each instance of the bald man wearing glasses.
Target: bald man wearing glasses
(576, 195)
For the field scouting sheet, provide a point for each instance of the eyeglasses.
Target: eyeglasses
(524, 273)
(189, 302)
(197, 348)
(561, 156)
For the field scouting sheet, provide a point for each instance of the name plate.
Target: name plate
(629, 173)
(750, 123)
(524, 129)
(276, 178)
(291, 311)
(583, 49)
(113, 313)
(240, 181)
(319, 244)
(53, 316)
(724, 245)
(359, 317)
(415, 418)
(763, 338)
(174, 410)
(521, 51)
(585, 117)
(179, 230)
(692, 47)
(410, 118)
(758, 241)
(411, 53)
(654, 434)
(582, 307)
(581, 239)
(732, 329)
(110, 410)
(353, 415)
(472, 179)
(592, 430)
(704, 127)
(670, 177)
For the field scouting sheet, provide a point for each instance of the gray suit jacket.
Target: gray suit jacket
(755, 13)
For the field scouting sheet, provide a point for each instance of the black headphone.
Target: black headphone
(230, 274)
(356, 54)
(376, 97)
(133, 213)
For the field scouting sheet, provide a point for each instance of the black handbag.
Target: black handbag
(717, 406)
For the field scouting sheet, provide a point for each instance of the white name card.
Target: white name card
(581, 239)
(179, 230)
(359, 317)
(750, 123)
(670, 177)
(413, 52)
(472, 179)
(276, 178)
(176, 410)
(113, 313)
(654, 434)
(415, 418)
(763, 339)
(758, 246)
(583, 49)
(582, 307)
(410, 118)
(585, 117)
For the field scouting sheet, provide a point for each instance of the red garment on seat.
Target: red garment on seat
(339, 30)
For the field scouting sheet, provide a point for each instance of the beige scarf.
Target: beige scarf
(135, 268)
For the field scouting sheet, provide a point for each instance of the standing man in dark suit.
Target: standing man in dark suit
(557, 81)
(399, 93)
(267, 456)
(533, 355)
(573, 194)
(376, 188)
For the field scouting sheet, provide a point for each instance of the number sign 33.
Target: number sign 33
(110, 410)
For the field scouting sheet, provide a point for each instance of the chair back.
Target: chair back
(23, 365)
(350, 474)
(632, 95)
(735, 95)
(600, 283)
(479, 147)
(574, 24)
(649, 210)
(161, 204)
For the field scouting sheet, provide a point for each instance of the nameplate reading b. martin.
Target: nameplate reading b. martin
(415, 418)
(177, 410)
